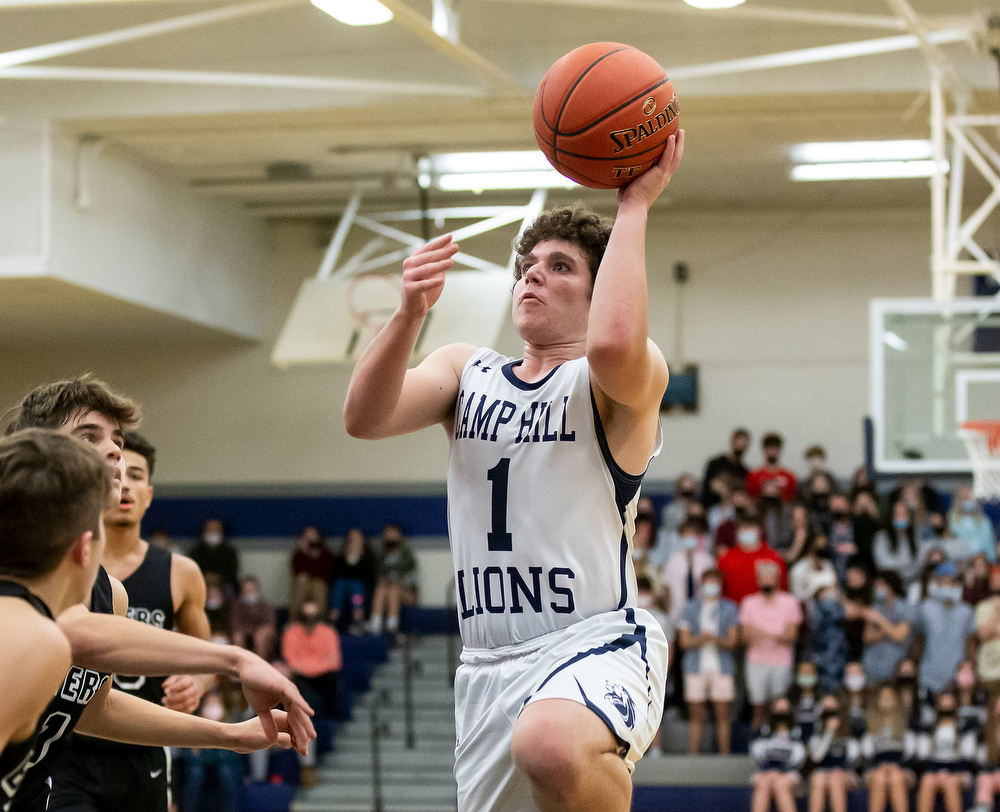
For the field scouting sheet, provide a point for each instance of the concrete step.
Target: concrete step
(394, 774)
(409, 795)
(431, 761)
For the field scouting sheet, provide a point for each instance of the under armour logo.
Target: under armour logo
(485, 369)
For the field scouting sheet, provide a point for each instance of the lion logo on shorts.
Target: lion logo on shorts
(620, 698)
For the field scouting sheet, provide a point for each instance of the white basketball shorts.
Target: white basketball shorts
(614, 663)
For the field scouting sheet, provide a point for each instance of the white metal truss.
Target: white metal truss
(368, 259)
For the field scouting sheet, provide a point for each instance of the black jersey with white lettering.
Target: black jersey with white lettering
(16, 756)
(62, 714)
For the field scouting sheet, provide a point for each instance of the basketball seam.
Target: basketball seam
(612, 112)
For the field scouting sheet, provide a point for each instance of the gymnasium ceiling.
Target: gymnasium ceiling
(276, 105)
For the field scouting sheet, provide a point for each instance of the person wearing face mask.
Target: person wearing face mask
(815, 457)
(920, 589)
(817, 491)
(200, 764)
(827, 643)
(976, 581)
(709, 629)
(354, 578)
(805, 699)
(312, 570)
(685, 568)
(813, 567)
(972, 700)
(896, 547)
(835, 755)
(312, 650)
(739, 562)
(971, 526)
(770, 621)
(887, 748)
(777, 518)
(729, 466)
(945, 756)
(779, 755)
(397, 581)
(946, 629)
(252, 620)
(888, 627)
(988, 762)
(214, 554)
(676, 510)
(771, 446)
(987, 620)
(917, 703)
(855, 698)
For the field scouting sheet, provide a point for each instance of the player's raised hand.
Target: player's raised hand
(250, 736)
(182, 693)
(651, 183)
(265, 688)
(423, 275)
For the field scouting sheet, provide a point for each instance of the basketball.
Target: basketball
(603, 113)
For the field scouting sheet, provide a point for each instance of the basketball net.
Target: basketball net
(982, 442)
(372, 298)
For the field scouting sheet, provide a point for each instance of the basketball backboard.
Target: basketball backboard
(933, 365)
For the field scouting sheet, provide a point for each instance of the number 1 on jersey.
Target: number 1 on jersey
(498, 540)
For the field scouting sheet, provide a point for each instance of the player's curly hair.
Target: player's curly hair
(51, 405)
(576, 224)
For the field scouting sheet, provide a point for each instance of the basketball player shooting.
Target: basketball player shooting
(562, 678)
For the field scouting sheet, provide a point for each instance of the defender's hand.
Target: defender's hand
(182, 693)
(423, 275)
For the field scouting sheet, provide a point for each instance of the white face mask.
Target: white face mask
(644, 600)
(854, 682)
(213, 539)
(212, 709)
(748, 537)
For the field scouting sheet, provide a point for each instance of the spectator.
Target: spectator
(861, 482)
(946, 626)
(227, 765)
(920, 589)
(217, 605)
(888, 748)
(215, 555)
(915, 701)
(896, 548)
(987, 620)
(770, 620)
(728, 466)
(842, 534)
(827, 643)
(805, 700)
(945, 758)
(812, 569)
(834, 754)
(972, 701)
(723, 510)
(855, 698)
(971, 526)
(739, 563)
(857, 600)
(888, 628)
(866, 520)
(644, 540)
(708, 634)
(778, 756)
(976, 586)
(685, 568)
(354, 576)
(312, 651)
(725, 532)
(397, 580)
(676, 510)
(771, 445)
(815, 457)
(312, 570)
(252, 621)
(988, 761)
(777, 518)
(920, 499)
(816, 494)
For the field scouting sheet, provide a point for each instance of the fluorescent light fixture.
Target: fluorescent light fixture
(355, 12)
(841, 151)
(894, 340)
(713, 3)
(480, 171)
(865, 170)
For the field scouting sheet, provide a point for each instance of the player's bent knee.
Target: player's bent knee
(546, 755)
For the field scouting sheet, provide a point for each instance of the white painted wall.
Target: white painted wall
(775, 314)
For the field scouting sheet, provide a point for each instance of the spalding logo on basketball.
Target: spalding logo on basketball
(603, 114)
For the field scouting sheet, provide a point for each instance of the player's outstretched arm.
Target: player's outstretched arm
(122, 646)
(625, 365)
(121, 717)
(385, 398)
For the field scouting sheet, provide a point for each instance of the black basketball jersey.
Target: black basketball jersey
(16, 756)
(63, 712)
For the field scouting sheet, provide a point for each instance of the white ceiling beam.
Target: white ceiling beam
(418, 24)
(808, 56)
(219, 79)
(930, 50)
(74, 46)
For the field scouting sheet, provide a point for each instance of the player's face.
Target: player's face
(137, 493)
(552, 298)
(105, 435)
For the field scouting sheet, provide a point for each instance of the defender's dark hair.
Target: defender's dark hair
(141, 446)
(52, 490)
(578, 225)
(49, 406)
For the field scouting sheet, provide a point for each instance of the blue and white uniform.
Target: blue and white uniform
(541, 522)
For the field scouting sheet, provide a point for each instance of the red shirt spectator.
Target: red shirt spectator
(738, 564)
(772, 470)
(312, 648)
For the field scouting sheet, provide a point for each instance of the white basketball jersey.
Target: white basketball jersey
(540, 516)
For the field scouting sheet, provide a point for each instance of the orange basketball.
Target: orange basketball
(603, 114)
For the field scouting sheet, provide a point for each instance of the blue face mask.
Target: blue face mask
(900, 524)
(710, 590)
(949, 593)
(969, 506)
(690, 542)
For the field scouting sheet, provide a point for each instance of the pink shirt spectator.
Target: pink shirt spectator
(772, 617)
(311, 654)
